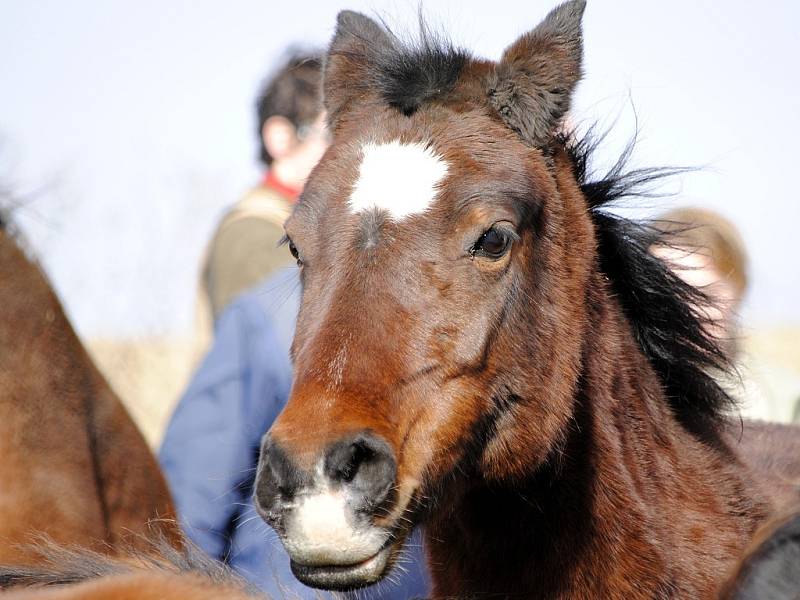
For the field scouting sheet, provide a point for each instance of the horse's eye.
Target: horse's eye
(494, 243)
(295, 253)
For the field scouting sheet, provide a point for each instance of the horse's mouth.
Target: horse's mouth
(345, 577)
(340, 566)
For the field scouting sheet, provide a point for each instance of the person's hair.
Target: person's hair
(713, 235)
(293, 92)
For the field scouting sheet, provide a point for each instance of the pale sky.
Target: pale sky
(130, 124)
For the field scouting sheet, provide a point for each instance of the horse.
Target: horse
(769, 568)
(74, 468)
(485, 349)
(156, 570)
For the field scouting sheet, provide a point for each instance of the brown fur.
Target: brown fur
(770, 567)
(155, 568)
(135, 586)
(73, 464)
(533, 435)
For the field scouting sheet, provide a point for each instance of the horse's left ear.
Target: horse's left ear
(532, 86)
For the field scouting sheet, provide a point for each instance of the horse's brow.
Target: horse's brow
(500, 193)
(305, 209)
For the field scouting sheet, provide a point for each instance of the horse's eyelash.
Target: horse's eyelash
(283, 241)
(512, 233)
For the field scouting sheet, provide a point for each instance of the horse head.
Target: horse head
(436, 271)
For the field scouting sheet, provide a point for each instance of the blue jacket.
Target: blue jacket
(210, 449)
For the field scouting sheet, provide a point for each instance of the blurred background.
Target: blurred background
(127, 128)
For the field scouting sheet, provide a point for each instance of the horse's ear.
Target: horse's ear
(348, 73)
(532, 85)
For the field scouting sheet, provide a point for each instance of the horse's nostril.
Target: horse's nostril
(352, 459)
(278, 478)
(365, 464)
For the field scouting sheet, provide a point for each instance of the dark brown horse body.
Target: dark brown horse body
(769, 567)
(73, 465)
(482, 349)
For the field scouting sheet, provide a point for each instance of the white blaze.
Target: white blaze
(399, 178)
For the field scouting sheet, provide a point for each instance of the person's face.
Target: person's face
(295, 151)
(696, 268)
(311, 143)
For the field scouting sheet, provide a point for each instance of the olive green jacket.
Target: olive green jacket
(244, 250)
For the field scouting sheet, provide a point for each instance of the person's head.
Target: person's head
(705, 249)
(290, 118)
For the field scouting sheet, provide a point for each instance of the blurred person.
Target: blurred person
(211, 447)
(292, 138)
(706, 250)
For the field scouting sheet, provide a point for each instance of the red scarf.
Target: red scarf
(289, 192)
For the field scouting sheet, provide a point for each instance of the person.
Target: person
(706, 250)
(292, 138)
(211, 446)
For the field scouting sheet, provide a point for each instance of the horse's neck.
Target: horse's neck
(625, 508)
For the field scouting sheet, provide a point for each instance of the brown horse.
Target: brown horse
(484, 349)
(158, 571)
(771, 566)
(145, 584)
(73, 465)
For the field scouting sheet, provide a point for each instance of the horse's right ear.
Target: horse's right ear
(357, 46)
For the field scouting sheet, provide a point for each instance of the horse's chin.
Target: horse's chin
(347, 577)
(340, 576)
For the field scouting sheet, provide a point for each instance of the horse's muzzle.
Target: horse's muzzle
(325, 515)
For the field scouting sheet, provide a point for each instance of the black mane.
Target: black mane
(4, 211)
(665, 313)
(8, 201)
(407, 72)
(417, 72)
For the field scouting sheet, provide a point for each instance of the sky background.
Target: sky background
(129, 126)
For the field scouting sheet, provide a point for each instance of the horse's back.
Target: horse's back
(772, 451)
(135, 586)
(769, 567)
(73, 465)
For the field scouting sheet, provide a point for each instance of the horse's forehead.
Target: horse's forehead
(386, 172)
(400, 178)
